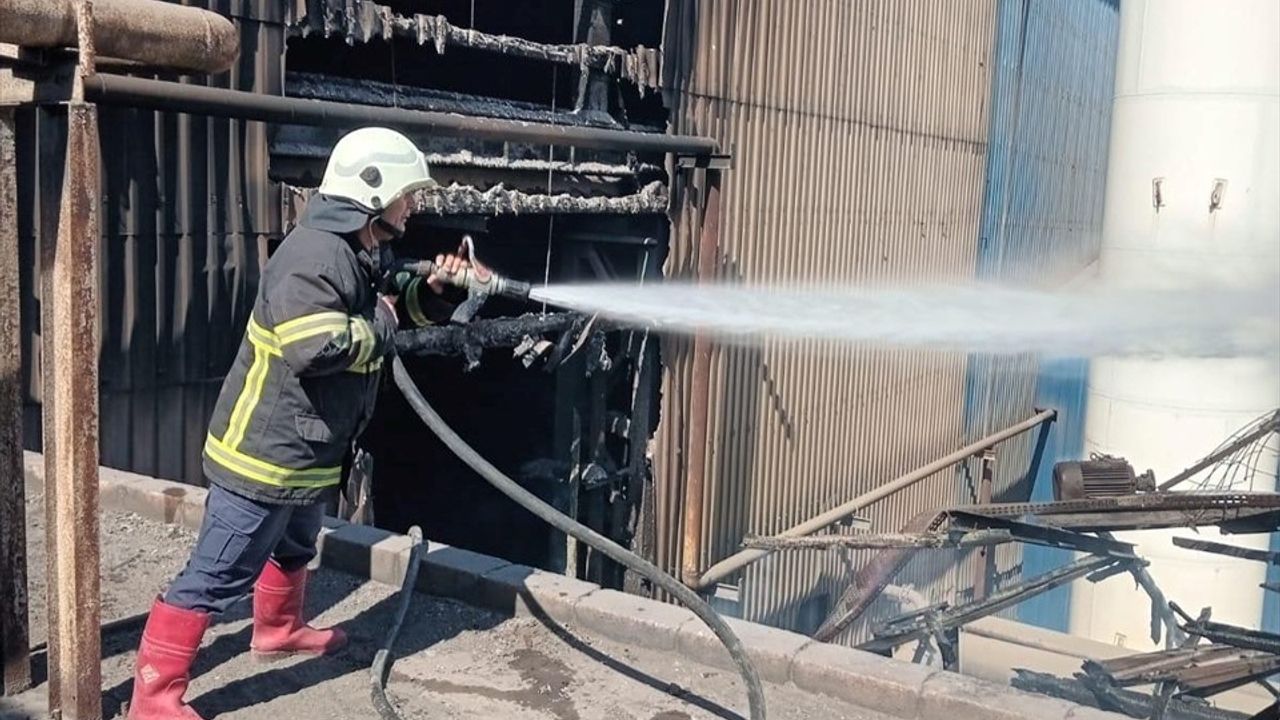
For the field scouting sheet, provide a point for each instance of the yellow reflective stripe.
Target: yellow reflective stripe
(325, 327)
(367, 368)
(248, 399)
(265, 472)
(362, 336)
(263, 338)
(412, 304)
(327, 317)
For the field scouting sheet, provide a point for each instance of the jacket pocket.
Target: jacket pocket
(312, 428)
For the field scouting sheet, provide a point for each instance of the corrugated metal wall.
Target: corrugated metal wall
(1042, 225)
(188, 212)
(858, 131)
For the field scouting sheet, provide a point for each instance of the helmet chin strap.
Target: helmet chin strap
(395, 232)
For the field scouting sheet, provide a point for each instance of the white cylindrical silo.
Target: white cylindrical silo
(1193, 196)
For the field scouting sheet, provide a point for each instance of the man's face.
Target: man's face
(396, 214)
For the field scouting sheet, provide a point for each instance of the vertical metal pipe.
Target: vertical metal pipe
(14, 630)
(700, 391)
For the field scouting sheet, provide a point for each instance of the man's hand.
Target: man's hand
(397, 277)
(447, 265)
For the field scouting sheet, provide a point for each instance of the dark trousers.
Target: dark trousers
(236, 540)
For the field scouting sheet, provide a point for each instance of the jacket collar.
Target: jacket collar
(344, 218)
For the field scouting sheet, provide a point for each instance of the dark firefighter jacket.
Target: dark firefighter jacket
(306, 375)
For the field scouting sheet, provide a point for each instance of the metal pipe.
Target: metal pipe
(158, 34)
(1267, 426)
(975, 538)
(695, 487)
(220, 102)
(741, 559)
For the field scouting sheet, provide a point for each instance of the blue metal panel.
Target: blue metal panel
(1054, 72)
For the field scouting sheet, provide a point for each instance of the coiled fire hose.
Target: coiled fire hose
(561, 522)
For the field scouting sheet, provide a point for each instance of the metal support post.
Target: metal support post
(700, 391)
(984, 560)
(74, 457)
(14, 630)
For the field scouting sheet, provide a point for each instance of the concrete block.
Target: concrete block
(453, 572)
(864, 679)
(524, 591)
(349, 548)
(951, 696)
(631, 619)
(771, 650)
(158, 500)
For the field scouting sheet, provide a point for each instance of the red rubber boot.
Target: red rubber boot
(278, 629)
(169, 645)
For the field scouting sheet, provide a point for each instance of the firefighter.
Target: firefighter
(301, 389)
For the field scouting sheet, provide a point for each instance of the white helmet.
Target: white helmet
(372, 167)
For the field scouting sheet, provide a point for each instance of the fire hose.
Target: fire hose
(563, 523)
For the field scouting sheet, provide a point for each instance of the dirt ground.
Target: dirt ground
(453, 660)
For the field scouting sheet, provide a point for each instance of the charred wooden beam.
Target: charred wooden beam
(471, 339)
(1134, 704)
(1271, 558)
(361, 21)
(458, 200)
(1232, 635)
(312, 86)
(498, 200)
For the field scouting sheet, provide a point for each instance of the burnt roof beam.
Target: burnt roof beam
(365, 21)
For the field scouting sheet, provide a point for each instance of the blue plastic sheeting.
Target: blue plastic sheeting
(1051, 102)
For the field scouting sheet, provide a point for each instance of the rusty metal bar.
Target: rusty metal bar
(700, 393)
(74, 424)
(741, 559)
(52, 131)
(984, 561)
(1264, 556)
(1161, 613)
(220, 102)
(1270, 425)
(154, 33)
(921, 627)
(14, 628)
(976, 538)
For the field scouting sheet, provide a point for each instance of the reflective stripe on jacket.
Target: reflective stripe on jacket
(306, 375)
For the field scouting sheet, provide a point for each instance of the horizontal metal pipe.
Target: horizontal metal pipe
(220, 102)
(743, 558)
(157, 34)
(976, 538)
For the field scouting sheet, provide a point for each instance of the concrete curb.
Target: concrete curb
(903, 690)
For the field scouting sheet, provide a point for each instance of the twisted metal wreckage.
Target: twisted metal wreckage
(1092, 500)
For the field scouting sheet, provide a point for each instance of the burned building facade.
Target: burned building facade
(848, 142)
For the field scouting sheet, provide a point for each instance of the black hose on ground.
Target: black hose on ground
(381, 666)
(561, 522)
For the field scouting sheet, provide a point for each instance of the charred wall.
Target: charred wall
(193, 207)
